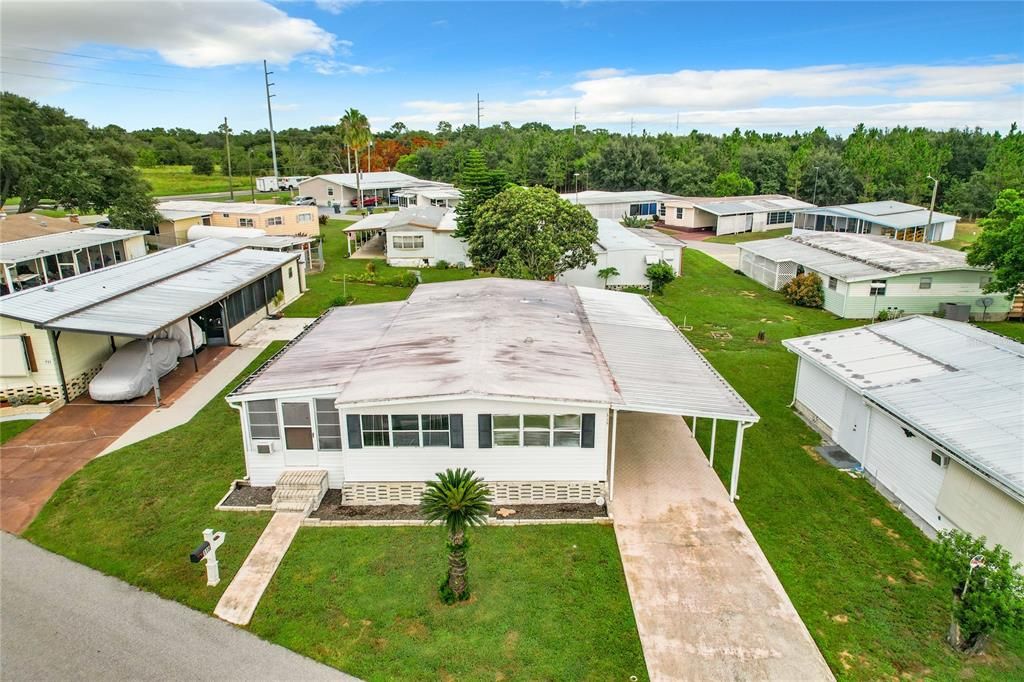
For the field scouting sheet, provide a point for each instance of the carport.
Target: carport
(360, 232)
(140, 298)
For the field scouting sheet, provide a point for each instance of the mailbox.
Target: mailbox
(207, 551)
(200, 552)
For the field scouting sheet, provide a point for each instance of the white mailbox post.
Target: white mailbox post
(207, 550)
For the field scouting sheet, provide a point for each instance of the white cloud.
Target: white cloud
(335, 6)
(193, 35)
(606, 72)
(333, 67)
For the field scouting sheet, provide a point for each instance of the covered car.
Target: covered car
(126, 374)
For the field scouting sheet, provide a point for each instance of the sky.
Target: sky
(765, 66)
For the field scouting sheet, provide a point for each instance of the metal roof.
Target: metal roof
(960, 386)
(894, 214)
(139, 297)
(656, 237)
(377, 180)
(439, 218)
(595, 197)
(15, 226)
(504, 338)
(611, 236)
(853, 257)
(271, 241)
(182, 215)
(758, 203)
(62, 242)
(196, 207)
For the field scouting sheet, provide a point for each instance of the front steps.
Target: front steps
(299, 491)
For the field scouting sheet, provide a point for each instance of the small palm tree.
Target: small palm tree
(460, 499)
(633, 221)
(607, 273)
(355, 132)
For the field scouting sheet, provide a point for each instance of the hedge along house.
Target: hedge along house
(55, 338)
(864, 275)
(630, 252)
(647, 204)
(520, 381)
(37, 261)
(895, 219)
(933, 410)
(732, 215)
(413, 237)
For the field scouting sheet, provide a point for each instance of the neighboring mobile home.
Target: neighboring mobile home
(864, 275)
(520, 381)
(614, 205)
(340, 189)
(55, 338)
(933, 411)
(630, 252)
(731, 215)
(273, 219)
(412, 237)
(886, 218)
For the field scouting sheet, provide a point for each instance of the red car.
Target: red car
(367, 201)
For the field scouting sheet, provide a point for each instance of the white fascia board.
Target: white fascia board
(348, 405)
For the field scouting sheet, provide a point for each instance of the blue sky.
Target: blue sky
(761, 65)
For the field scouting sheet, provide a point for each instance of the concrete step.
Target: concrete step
(299, 490)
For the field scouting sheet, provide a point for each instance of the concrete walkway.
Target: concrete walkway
(63, 621)
(708, 605)
(727, 254)
(240, 600)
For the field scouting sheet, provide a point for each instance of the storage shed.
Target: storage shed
(933, 410)
(521, 381)
(864, 275)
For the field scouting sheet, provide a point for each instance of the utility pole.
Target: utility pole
(252, 183)
(270, 117)
(677, 123)
(575, 113)
(814, 198)
(631, 126)
(227, 149)
(478, 110)
(931, 208)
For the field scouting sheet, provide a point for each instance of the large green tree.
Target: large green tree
(532, 233)
(732, 184)
(1000, 245)
(478, 184)
(628, 163)
(354, 128)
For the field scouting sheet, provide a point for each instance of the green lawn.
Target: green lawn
(327, 287)
(173, 180)
(965, 235)
(1011, 328)
(9, 430)
(856, 569)
(548, 603)
(748, 236)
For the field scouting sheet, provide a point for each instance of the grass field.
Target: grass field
(9, 430)
(173, 180)
(327, 287)
(748, 236)
(965, 235)
(1011, 328)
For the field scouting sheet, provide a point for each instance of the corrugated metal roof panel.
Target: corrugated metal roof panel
(841, 267)
(894, 214)
(595, 197)
(377, 180)
(50, 244)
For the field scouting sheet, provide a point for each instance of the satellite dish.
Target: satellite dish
(987, 301)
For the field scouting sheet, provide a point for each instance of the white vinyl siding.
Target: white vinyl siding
(980, 508)
(821, 394)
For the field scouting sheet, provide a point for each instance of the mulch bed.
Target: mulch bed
(331, 509)
(249, 496)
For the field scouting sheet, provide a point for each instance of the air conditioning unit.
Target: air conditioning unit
(264, 448)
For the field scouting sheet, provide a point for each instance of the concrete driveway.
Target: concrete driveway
(708, 605)
(63, 621)
(727, 254)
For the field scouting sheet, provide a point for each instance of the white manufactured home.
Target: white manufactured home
(342, 189)
(521, 381)
(933, 410)
(864, 275)
(646, 204)
(410, 237)
(732, 215)
(885, 218)
(630, 252)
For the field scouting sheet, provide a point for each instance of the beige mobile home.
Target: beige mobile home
(730, 215)
(273, 219)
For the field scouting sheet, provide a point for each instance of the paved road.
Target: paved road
(63, 621)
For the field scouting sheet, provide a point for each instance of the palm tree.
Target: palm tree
(460, 499)
(607, 273)
(355, 131)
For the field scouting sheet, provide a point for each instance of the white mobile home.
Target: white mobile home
(614, 205)
(412, 237)
(518, 380)
(630, 252)
(864, 275)
(340, 189)
(447, 197)
(731, 215)
(933, 410)
(886, 218)
(55, 338)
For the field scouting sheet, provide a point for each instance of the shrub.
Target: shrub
(441, 265)
(633, 221)
(985, 600)
(322, 220)
(202, 165)
(805, 290)
(371, 268)
(660, 274)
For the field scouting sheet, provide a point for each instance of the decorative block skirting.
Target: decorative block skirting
(505, 492)
(77, 385)
(491, 521)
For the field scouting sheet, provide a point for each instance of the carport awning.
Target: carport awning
(655, 368)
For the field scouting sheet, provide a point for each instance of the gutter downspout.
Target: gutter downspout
(799, 364)
(737, 455)
(612, 448)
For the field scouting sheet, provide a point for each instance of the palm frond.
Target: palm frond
(458, 497)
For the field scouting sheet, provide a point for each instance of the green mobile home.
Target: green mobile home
(864, 275)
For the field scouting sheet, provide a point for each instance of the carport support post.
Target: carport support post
(192, 338)
(611, 456)
(55, 349)
(693, 430)
(714, 429)
(152, 371)
(737, 454)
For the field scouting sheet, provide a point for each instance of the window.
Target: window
(298, 426)
(537, 430)
(276, 220)
(225, 215)
(304, 218)
(330, 191)
(926, 283)
(939, 459)
(661, 210)
(780, 217)
(680, 212)
(643, 209)
(878, 287)
(247, 301)
(245, 222)
(833, 283)
(436, 430)
(405, 430)
(262, 419)
(328, 425)
(407, 241)
(375, 431)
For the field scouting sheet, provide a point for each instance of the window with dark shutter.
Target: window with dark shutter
(588, 430)
(455, 422)
(355, 433)
(483, 422)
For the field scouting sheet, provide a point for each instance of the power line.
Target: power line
(88, 56)
(90, 68)
(108, 85)
(270, 116)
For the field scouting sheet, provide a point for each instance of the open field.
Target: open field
(172, 180)
(966, 234)
(749, 236)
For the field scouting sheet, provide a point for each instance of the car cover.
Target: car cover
(178, 332)
(125, 375)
